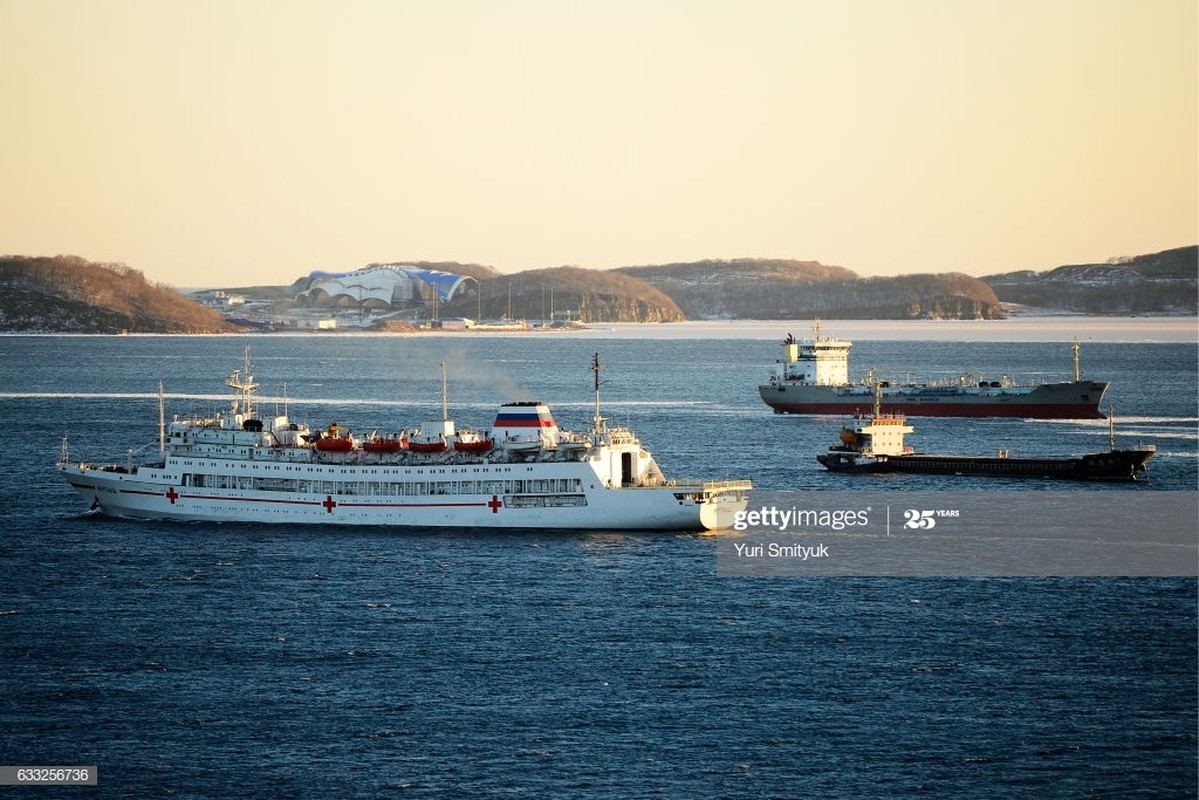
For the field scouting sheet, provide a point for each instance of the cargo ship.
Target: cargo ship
(522, 473)
(875, 443)
(812, 377)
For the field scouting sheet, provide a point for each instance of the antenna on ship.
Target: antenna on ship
(596, 367)
(1111, 428)
(243, 381)
(162, 420)
(445, 408)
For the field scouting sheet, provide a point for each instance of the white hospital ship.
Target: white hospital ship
(239, 466)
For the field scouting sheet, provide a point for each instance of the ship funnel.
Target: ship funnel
(521, 425)
(790, 352)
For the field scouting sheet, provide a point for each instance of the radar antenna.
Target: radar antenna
(242, 380)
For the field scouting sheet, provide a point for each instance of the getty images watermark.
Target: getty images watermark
(782, 520)
(1080, 532)
(793, 518)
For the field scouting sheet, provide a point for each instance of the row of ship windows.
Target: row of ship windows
(377, 470)
(383, 488)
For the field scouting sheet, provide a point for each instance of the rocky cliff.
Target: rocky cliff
(72, 295)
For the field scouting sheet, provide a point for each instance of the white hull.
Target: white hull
(158, 493)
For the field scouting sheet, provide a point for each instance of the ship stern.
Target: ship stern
(721, 502)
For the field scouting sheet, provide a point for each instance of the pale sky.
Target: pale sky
(233, 142)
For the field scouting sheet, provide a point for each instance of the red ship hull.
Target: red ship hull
(948, 410)
(1077, 400)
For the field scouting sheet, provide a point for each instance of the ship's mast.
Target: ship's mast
(596, 367)
(162, 420)
(1077, 372)
(445, 408)
(242, 380)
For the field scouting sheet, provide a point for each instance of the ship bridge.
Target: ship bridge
(822, 360)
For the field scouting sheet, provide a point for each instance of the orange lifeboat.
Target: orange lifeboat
(381, 444)
(471, 441)
(334, 441)
(338, 444)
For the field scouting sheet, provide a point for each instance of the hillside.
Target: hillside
(586, 295)
(68, 294)
(784, 289)
(1159, 282)
(71, 294)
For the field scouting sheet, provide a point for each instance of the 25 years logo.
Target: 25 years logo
(925, 519)
(918, 520)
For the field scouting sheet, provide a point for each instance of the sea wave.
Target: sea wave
(1120, 421)
(365, 401)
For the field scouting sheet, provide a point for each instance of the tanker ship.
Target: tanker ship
(812, 377)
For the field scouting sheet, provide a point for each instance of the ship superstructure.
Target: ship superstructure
(239, 466)
(812, 377)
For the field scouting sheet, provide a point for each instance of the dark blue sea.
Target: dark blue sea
(189, 660)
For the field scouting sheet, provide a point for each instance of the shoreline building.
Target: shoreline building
(380, 286)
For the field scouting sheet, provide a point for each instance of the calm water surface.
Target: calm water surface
(241, 660)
